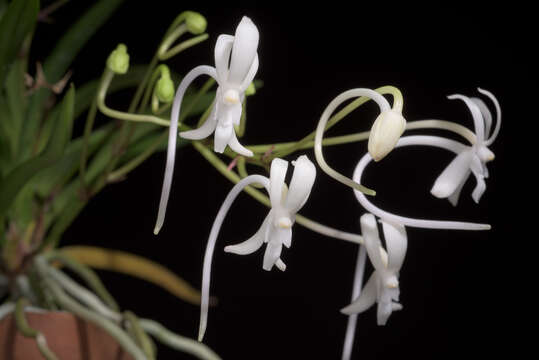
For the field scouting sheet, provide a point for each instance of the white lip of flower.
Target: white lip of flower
(472, 159)
(276, 230)
(383, 285)
(435, 141)
(233, 78)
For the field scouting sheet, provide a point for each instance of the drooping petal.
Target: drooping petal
(223, 48)
(250, 75)
(235, 113)
(454, 197)
(243, 51)
(223, 134)
(369, 230)
(272, 254)
(479, 123)
(492, 137)
(280, 264)
(172, 135)
(205, 130)
(284, 236)
(365, 300)
(237, 147)
(277, 176)
(301, 184)
(453, 175)
(253, 243)
(396, 244)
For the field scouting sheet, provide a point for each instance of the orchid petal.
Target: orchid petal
(252, 244)
(301, 184)
(237, 147)
(286, 237)
(272, 254)
(250, 75)
(476, 114)
(369, 230)
(498, 115)
(396, 244)
(485, 112)
(243, 51)
(277, 176)
(172, 135)
(235, 113)
(203, 131)
(454, 197)
(223, 48)
(222, 136)
(365, 300)
(453, 175)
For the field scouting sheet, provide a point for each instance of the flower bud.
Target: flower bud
(164, 89)
(195, 22)
(385, 132)
(118, 60)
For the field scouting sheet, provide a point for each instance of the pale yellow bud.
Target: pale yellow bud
(385, 132)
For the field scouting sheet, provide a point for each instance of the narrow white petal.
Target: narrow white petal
(223, 48)
(277, 176)
(250, 75)
(235, 113)
(210, 247)
(396, 244)
(223, 134)
(272, 254)
(243, 51)
(498, 115)
(365, 300)
(237, 147)
(443, 143)
(453, 175)
(203, 131)
(172, 135)
(301, 184)
(396, 306)
(371, 238)
(454, 198)
(487, 115)
(479, 123)
(253, 243)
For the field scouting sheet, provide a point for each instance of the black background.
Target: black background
(456, 286)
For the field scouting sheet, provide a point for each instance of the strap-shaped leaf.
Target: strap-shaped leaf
(63, 126)
(18, 20)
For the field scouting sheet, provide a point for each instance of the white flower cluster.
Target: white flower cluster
(236, 64)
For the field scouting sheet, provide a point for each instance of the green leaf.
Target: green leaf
(59, 61)
(63, 127)
(18, 20)
(16, 102)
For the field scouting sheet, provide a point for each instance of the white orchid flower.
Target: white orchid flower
(385, 216)
(276, 230)
(383, 285)
(472, 159)
(236, 64)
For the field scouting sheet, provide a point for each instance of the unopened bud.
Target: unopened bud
(385, 132)
(164, 89)
(118, 60)
(195, 22)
